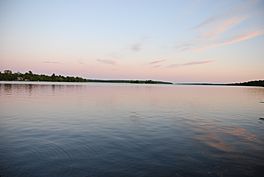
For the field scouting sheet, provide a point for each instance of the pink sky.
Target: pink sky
(172, 41)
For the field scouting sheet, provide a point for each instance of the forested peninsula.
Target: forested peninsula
(8, 75)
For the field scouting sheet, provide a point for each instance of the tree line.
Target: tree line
(250, 83)
(8, 75)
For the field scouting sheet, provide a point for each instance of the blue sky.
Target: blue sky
(184, 41)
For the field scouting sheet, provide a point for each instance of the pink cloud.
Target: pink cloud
(243, 37)
(51, 62)
(227, 19)
(197, 62)
(157, 61)
(110, 62)
(191, 63)
(184, 46)
(213, 28)
(233, 40)
(222, 26)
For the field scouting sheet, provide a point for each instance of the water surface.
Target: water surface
(99, 130)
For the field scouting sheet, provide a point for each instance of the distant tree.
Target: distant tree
(7, 71)
(7, 75)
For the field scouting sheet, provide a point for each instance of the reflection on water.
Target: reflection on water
(215, 140)
(88, 130)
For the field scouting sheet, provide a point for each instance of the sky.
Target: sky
(170, 40)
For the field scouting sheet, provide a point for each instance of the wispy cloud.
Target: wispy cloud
(222, 26)
(190, 63)
(215, 26)
(156, 62)
(156, 66)
(205, 22)
(233, 40)
(51, 62)
(197, 62)
(136, 47)
(80, 61)
(109, 62)
(243, 37)
(184, 46)
(212, 32)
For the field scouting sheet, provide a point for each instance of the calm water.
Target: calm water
(109, 130)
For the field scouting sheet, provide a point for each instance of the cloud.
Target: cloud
(204, 45)
(213, 27)
(157, 62)
(136, 47)
(197, 62)
(156, 66)
(190, 63)
(233, 40)
(184, 46)
(109, 62)
(218, 24)
(243, 37)
(80, 61)
(51, 62)
(205, 22)
(210, 29)
(222, 26)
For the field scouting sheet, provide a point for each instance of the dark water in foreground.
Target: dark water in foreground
(110, 130)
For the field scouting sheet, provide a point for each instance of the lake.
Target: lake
(127, 130)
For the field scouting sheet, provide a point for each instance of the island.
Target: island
(259, 83)
(8, 75)
(256, 83)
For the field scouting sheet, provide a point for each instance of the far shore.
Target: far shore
(30, 77)
(140, 82)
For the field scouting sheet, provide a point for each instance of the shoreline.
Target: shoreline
(136, 82)
(81, 83)
(29, 76)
